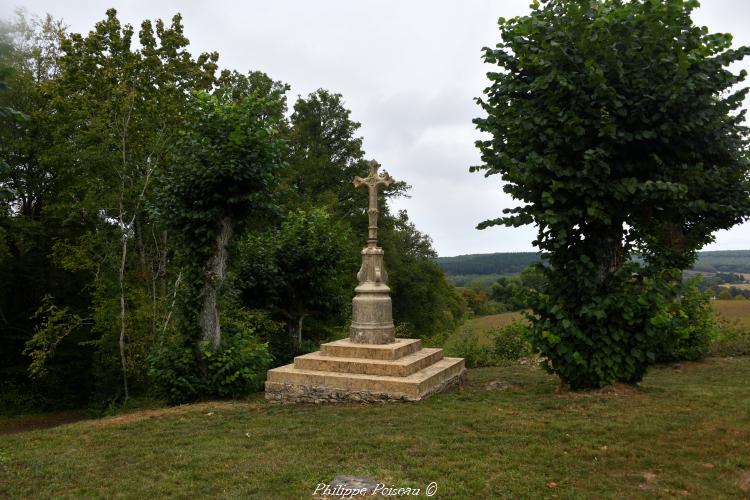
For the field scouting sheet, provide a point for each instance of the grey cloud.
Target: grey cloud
(408, 70)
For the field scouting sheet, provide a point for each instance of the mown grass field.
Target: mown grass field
(506, 434)
(733, 310)
(730, 310)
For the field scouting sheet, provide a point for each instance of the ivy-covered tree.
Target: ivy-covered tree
(616, 124)
(222, 181)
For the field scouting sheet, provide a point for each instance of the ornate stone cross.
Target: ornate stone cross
(373, 182)
(372, 314)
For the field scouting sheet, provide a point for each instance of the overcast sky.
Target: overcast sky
(408, 70)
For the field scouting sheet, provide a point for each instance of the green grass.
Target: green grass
(685, 431)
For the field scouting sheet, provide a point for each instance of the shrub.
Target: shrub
(725, 295)
(507, 343)
(475, 355)
(172, 370)
(181, 371)
(17, 399)
(732, 339)
(593, 336)
(511, 341)
(692, 326)
(238, 368)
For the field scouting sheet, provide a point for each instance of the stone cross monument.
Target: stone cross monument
(371, 365)
(372, 316)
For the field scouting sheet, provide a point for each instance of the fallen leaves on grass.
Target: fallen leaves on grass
(649, 476)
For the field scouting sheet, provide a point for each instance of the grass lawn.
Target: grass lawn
(507, 433)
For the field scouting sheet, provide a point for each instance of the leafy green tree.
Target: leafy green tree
(693, 325)
(305, 268)
(476, 300)
(120, 110)
(614, 123)
(504, 290)
(104, 116)
(325, 155)
(230, 159)
(725, 295)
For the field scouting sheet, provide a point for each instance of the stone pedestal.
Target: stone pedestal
(372, 314)
(348, 371)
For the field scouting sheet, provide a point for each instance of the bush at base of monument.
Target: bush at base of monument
(182, 373)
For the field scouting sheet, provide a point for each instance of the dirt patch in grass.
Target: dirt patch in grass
(45, 421)
(744, 481)
(138, 416)
(610, 391)
(499, 385)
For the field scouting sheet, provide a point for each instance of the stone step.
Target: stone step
(290, 384)
(401, 367)
(347, 349)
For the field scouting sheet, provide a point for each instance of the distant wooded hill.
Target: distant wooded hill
(735, 261)
(488, 263)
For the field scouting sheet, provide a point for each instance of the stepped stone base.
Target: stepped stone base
(348, 371)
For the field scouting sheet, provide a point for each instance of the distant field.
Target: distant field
(478, 327)
(733, 310)
(498, 320)
(740, 286)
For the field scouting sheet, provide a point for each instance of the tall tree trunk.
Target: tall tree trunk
(122, 312)
(611, 253)
(171, 306)
(299, 329)
(214, 277)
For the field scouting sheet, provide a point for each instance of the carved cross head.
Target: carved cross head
(373, 182)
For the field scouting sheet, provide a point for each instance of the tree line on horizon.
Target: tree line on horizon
(510, 263)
